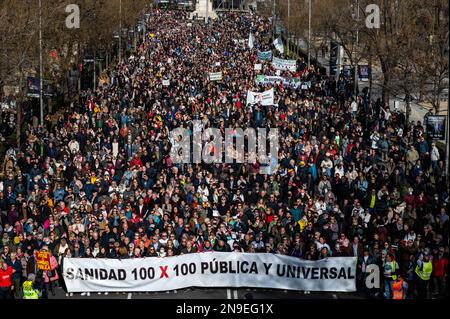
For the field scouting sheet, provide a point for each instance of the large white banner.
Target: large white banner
(209, 270)
(285, 65)
(266, 98)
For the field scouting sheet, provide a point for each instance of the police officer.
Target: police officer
(423, 272)
(28, 290)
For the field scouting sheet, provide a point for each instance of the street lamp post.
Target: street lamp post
(274, 20)
(447, 137)
(120, 31)
(41, 68)
(289, 26)
(309, 33)
(356, 47)
(447, 148)
(95, 75)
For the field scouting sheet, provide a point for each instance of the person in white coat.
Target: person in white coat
(435, 156)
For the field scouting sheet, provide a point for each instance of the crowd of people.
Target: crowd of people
(353, 178)
(7, 119)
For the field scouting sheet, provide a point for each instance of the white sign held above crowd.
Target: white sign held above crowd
(265, 98)
(210, 270)
(215, 76)
(278, 43)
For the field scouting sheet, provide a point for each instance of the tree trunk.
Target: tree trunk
(437, 95)
(19, 109)
(50, 106)
(386, 90)
(421, 89)
(370, 77)
(19, 119)
(386, 82)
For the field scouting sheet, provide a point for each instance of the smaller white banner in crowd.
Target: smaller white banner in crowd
(166, 82)
(265, 79)
(216, 76)
(210, 270)
(258, 67)
(284, 65)
(265, 98)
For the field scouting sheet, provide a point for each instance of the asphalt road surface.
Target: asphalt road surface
(218, 293)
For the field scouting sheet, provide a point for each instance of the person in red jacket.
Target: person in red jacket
(421, 201)
(268, 215)
(136, 161)
(409, 198)
(440, 264)
(5, 280)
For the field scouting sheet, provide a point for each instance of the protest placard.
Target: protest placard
(284, 65)
(43, 260)
(216, 76)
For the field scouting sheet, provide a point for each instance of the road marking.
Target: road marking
(129, 295)
(228, 293)
(235, 293)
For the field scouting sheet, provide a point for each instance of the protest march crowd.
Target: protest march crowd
(353, 178)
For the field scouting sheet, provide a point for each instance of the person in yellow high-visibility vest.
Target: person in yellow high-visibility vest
(423, 271)
(28, 291)
(390, 269)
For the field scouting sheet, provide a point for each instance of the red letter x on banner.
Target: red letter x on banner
(164, 271)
